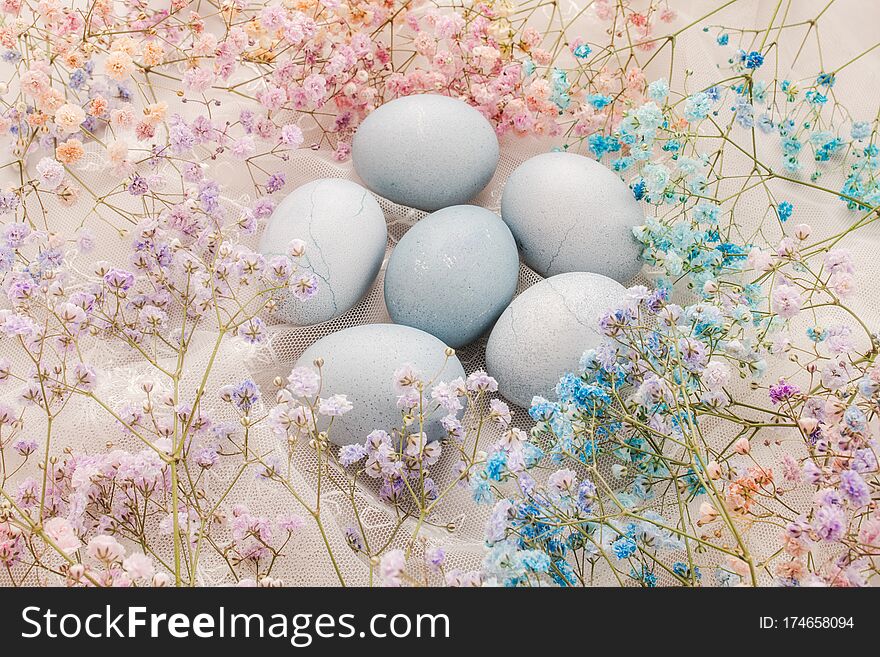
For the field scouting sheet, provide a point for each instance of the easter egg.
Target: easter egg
(360, 362)
(545, 331)
(345, 236)
(570, 213)
(425, 151)
(452, 274)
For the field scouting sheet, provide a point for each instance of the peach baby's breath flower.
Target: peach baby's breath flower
(154, 52)
(122, 118)
(51, 101)
(68, 117)
(125, 44)
(69, 151)
(155, 112)
(98, 106)
(74, 59)
(36, 119)
(118, 65)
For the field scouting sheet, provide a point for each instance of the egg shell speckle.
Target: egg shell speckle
(425, 151)
(345, 234)
(545, 331)
(452, 274)
(360, 362)
(570, 213)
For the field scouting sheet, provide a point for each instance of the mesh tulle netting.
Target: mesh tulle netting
(458, 523)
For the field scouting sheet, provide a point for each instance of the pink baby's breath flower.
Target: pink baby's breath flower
(62, 534)
(786, 301)
(139, 566)
(105, 548)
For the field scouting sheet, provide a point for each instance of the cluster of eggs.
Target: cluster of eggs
(453, 276)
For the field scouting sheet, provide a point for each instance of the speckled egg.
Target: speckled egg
(345, 235)
(452, 274)
(570, 213)
(425, 151)
(546, 330)
(360, 362)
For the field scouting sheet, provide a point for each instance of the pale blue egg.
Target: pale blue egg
(452, 274)
(425, 151)
(360, 362)
(345, 235)
(545, 331)
(570, 213)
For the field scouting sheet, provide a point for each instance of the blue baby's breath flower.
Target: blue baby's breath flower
(723, 39)
(535, 560)
(582, 51)
(784, 211)
(707, 213)
(815, 98)
(599, 101)
(765, 123)
(495, 466)
(683, 570)
(658, 90)
(752, 60)
(861, 130)
(744, 112)
(624, 547)
(697, 106)
(559, 85)
(600, 144)
(481, 492)
(826, 79)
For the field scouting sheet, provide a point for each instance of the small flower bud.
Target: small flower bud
(808, 424)
(802, 231)
(742, 446)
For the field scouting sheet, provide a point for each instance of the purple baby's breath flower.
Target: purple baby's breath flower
(479, 381)
(830, 523)
(334, 406)
(15, 234)
(351, 454)
(25, 446)
(291, 522)
(275, 183)
(138, 186)
(854, 488)
(181, 138)
(305, 286)
(263, 208)
(304, 382)
(782, 391)
(245, 395)
(253, 331)
(119, 280)
(206, 457)
(9, 202)
(434, 558)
